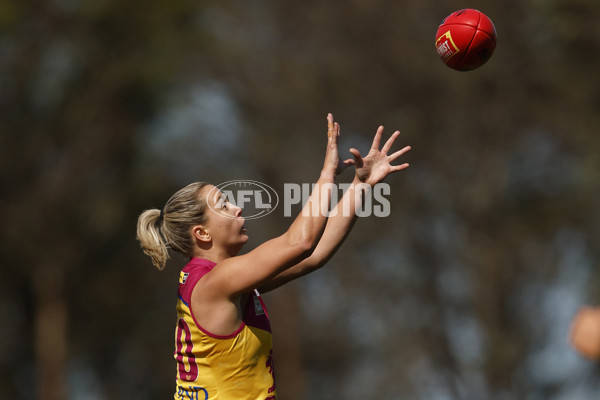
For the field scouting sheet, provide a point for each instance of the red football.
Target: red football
(466, 39)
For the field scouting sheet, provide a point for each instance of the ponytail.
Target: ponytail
(158, 231)
(151, 239)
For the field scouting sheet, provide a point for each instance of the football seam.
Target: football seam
(459, 64)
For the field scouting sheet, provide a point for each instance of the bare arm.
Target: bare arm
(235, 276)
(370, 170)
(339, 225)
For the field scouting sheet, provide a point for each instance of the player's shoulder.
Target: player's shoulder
(190, 274)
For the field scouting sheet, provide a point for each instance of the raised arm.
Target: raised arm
(370, 170)
(234, 276)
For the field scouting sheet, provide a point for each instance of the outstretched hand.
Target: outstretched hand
(376, 165)
(332, 160)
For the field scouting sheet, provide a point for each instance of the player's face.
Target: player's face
(225, 222)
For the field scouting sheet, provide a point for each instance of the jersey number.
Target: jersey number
(184, 346)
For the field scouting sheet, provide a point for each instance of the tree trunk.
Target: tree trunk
(50, 335)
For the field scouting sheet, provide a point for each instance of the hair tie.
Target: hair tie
(160, 230)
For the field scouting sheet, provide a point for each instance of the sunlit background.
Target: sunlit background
(467, 289)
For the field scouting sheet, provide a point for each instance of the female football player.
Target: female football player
(223, 337)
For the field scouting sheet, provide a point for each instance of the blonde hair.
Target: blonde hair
(158, 231)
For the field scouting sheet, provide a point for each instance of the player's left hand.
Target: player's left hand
(376, 165)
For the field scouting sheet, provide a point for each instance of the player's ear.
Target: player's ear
(201, 233)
